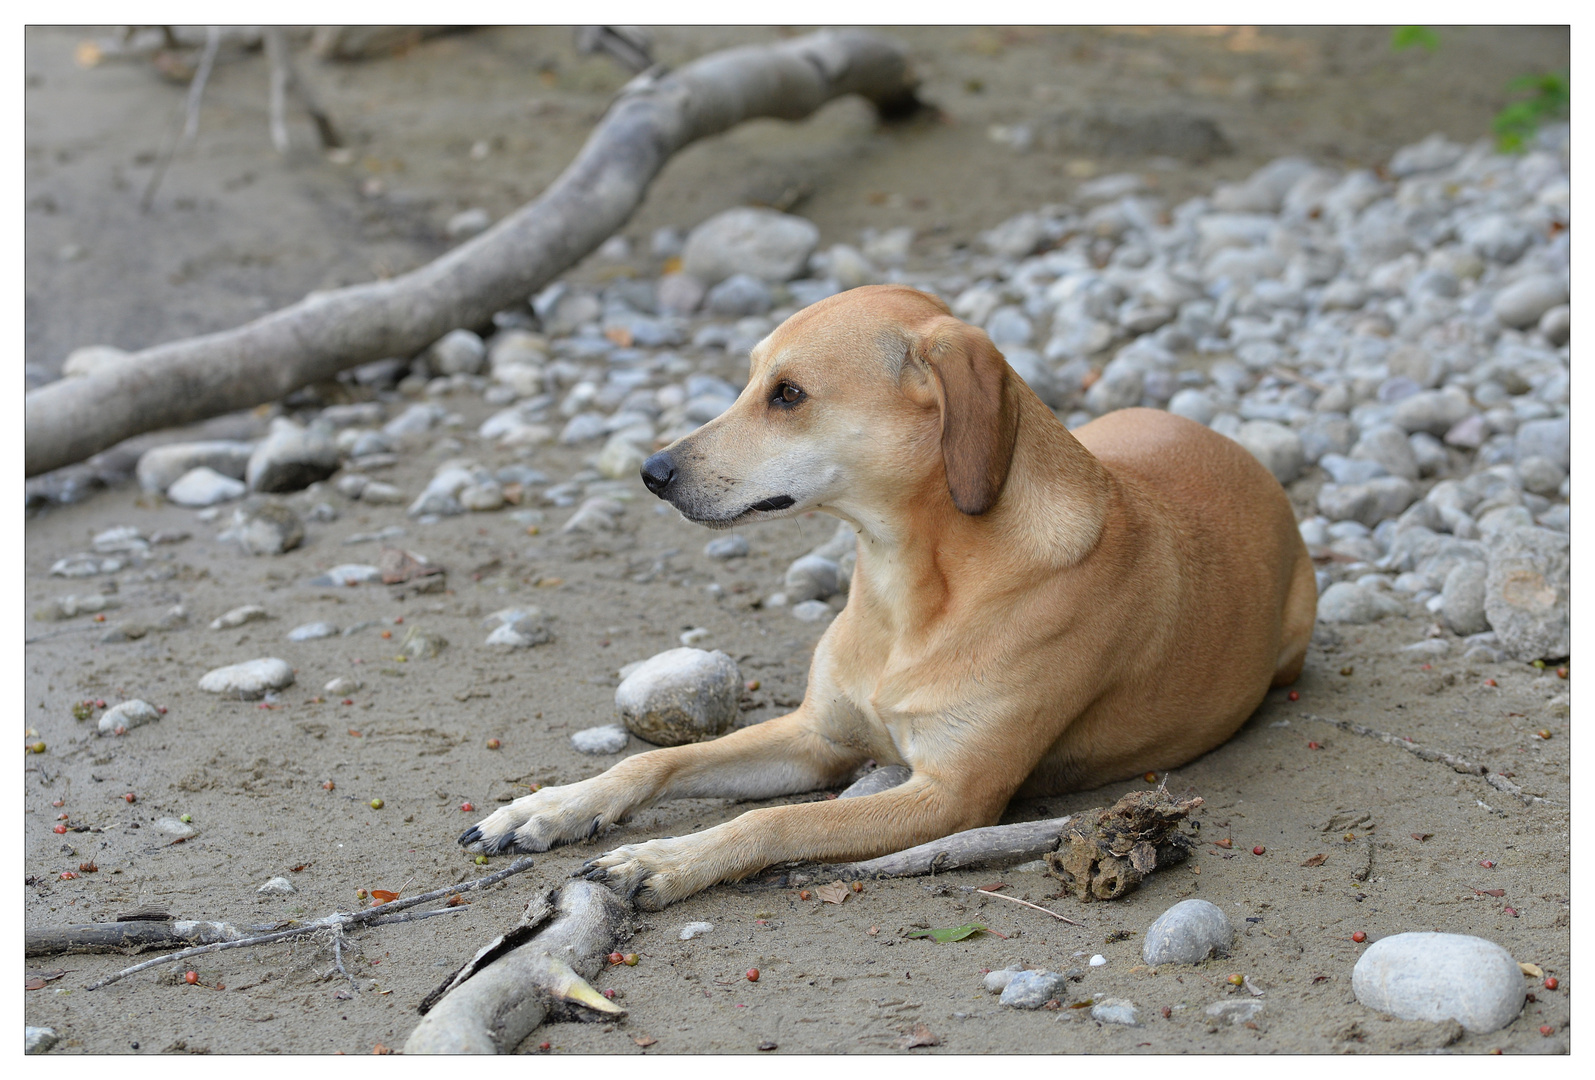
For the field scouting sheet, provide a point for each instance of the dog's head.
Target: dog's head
(860, 402)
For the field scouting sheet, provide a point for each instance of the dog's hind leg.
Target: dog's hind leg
(778, 757)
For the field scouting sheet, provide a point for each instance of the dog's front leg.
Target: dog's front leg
(660, 872)
(778, 757)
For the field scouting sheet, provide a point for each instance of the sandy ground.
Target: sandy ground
(236, 231)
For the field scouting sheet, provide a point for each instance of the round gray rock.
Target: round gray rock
(680, 696)
(766, 244)
(734, 546)
(1526, 593)
(1435, 977)
(1033, 989)
(1116, 1011)
(1462, 599)
(291, 458)
(1187, 933)
(249, 680)
(1275, 445)
(812, 577)
(1521, 304)
(1349, 602)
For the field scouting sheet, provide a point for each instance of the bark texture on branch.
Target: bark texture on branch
(993, 846)
(541, 966)
(655, 115)
(134, 936)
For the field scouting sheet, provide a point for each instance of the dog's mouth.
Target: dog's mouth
(772, 505)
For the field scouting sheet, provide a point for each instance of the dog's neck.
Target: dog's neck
(1049, 517)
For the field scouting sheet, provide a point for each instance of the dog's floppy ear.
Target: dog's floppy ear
(979, 412)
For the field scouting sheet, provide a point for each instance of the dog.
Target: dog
(1033, 611)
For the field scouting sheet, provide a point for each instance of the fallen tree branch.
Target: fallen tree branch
(654, 115)
(1494, 779)
(338, 921)
(134, 936)
(993, 846)
(541, 966)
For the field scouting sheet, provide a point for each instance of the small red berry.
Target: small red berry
(121, 729)
(99, 618)
(59, 802)
(1551, 983)
(630, 959)
(1547, 1030)
(1561, 673)
(161, 709)
(753, 974)
(615, 958)
(191, 978)
(466, 808)
(1512, 911)
(805, 895)
(492, 744)
(610, 994)
(387, 633)
(1490, 682)
(544, 1046)
(1487, 864)
(1259, 849)
(1150, 778)
(67, 875)
(1294, 695)
(1359, 937)
(99, 703)
(328, 786)
(347, 701)
(1314, 746)
(398, 620)
(130, 797)
(62, 817)
(60, 829)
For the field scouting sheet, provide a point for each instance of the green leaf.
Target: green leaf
(948, 933)
(1408, 37)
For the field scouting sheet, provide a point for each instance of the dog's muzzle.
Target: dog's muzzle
(658, 471)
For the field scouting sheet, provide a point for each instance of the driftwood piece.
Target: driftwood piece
(1425, 753)
(540, 967)
(126, 937)
(1109, 852)
(336, 923)
(654, 115)
(993, 846)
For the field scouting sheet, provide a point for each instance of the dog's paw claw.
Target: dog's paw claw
(470, 836)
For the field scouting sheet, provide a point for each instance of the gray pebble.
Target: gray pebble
(238, 616)
(1549, 438)
(312, 631)
(1521, 304)
(1276, 446)
(291, 458)
(128, 715)
(249, 680)
(36, 1040)
(1234, 1011)
(348, 574)
(734, 546)
(608, 739)
(811, 611)
(179, 830)
(1345, 602)
(343, 686)
(1462, 599)
(739, 294)
(263, 526)
(1187, 933)
(766, 244)
(1369, 502)
(1437, 977)
(1116, 1011)
(812, 577)
(680, 696)
(997, 981)
(204, 486)
(277, 886)
(1033, 989)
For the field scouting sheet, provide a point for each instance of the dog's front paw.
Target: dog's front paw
(652, 875)
(537, 822)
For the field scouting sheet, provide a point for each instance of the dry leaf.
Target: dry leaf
(34, 984)
(644, 1040)
(1491, 892)
(920, 1036)
(834, 893)
(383, 895)
(456, 900)
(1421, 836)
(1316, 860)
(993, 887)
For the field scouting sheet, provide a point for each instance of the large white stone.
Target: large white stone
(249, 680)
(1436, 977)
(680, 696)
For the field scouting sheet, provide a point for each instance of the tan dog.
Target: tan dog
(1033, 611)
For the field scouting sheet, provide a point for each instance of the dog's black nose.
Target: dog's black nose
(657, 472)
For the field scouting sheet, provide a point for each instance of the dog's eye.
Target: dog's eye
(787, 394)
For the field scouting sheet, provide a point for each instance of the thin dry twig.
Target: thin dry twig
(338, 921)
(1494, 779)
(1026, 903)
(196, 91)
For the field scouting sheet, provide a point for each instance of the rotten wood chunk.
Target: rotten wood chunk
(1108, 852)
